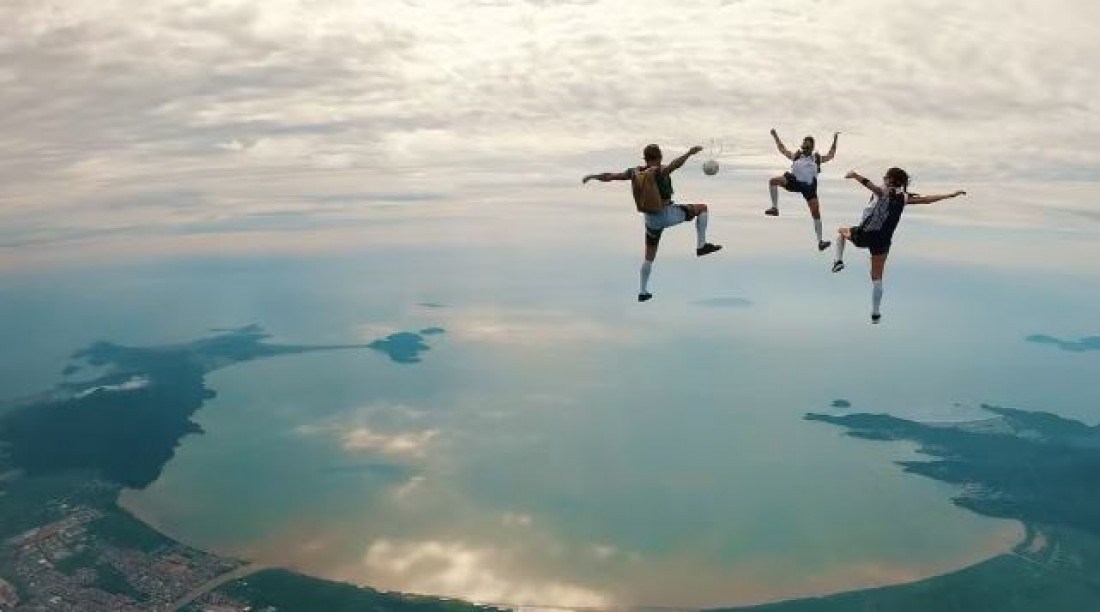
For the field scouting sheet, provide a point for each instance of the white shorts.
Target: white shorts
(672, 214)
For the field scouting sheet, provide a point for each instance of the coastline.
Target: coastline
(849, 578)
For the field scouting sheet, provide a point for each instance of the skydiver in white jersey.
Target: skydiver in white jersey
(802, 178)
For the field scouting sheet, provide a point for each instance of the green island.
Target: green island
(66, 454)
(1036, 468)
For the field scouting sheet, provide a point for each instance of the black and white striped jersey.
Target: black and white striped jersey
(884, 213)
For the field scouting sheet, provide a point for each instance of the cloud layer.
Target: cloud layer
(124, 117)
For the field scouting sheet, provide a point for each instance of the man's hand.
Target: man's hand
(851, 174)
(959, 193)
(694, 150)
(586, 179)
(773, 133)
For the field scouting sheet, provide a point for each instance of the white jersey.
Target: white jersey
(804, 168)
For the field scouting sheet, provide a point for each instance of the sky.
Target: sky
(164, 122)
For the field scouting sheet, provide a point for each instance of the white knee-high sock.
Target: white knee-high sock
(876, 296)
(817, 228)
(646, 267)
(840, 240)
(700, 230)
(773, 190)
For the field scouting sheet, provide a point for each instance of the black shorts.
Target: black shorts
(875, 242)
(808, 190)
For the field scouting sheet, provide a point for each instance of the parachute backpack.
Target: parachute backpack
(647, 197)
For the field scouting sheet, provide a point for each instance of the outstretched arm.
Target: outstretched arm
(607, 176)
(679, 161)
(929, 199)
(779, 143)
(832, 150)
(862, 181)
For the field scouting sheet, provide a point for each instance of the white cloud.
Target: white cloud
(408, 489)
(517, 520)
(256, 107)
(404, 444)
(531, 329)
(604, 552)
(136, 382)
(475, 574)
(380, 428)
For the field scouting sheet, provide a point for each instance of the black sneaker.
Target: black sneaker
(707, 248)
(645, 297)
(838, 265)
(875, 318)
(824, 244)
(772, 212)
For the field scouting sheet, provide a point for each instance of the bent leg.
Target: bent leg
(699, 212)
(700, 224)
(773, 190)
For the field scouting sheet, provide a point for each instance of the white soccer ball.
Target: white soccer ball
(710, 167)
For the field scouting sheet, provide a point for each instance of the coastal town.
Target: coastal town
(67, 565)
